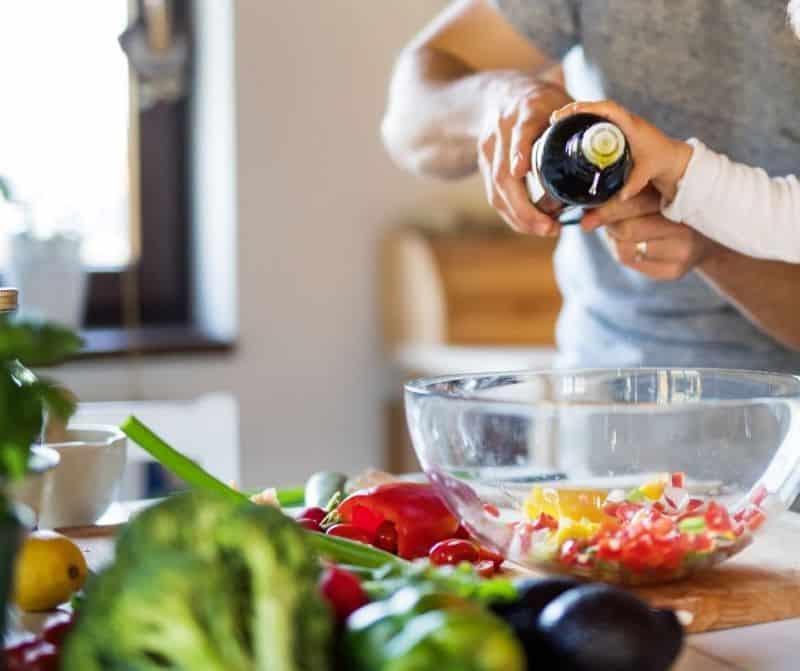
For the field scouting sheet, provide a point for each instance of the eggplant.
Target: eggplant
(602, 628)
(534, 594)
(522, 615)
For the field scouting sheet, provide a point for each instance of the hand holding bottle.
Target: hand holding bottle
(657, 158)
(517, 111)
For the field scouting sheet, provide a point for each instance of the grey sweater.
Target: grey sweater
(725, 71)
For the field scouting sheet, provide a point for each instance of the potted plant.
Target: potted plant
(25, 402)
(43, 260)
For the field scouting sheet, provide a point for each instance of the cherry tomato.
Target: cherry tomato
(39, 656)
(57, 629)
(350, 531)
(386, 537)
(342, 590)
(485, 554)
(453, 551)
(486, 568)
(15, 654)
(462, 532)
(311, 525)
(316, 514)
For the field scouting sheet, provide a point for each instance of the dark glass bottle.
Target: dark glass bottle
(579, 162)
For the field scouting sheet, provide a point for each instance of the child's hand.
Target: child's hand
(657, 159)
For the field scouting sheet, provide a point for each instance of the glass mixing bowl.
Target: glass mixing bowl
(629, 476)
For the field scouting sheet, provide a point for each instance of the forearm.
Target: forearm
(765, 291)
(434, 113)
(438, 106)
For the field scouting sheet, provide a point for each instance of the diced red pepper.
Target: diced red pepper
(694, 504)
(491, 510)
(626, 511)
(754, 518)
(701, 542)
(759, 495)
(545, 521)
(717, 518)
(418, 513)
(569, 551)
(678, 479)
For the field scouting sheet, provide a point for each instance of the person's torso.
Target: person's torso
(727, 72)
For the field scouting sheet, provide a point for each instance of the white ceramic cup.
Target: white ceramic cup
(87, 480)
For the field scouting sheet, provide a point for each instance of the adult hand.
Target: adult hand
(646, 241)
(518, 109)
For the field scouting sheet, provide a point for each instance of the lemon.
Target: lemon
(565, 502)
(50, 568)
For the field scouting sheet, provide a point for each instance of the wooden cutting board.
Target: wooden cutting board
(760, 585)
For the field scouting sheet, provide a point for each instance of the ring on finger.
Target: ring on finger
(641, 251)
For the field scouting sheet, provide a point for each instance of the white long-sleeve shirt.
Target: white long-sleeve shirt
(739, 206)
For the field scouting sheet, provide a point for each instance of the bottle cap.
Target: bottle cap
(603, 144)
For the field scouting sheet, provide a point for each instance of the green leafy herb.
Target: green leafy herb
(24, 397)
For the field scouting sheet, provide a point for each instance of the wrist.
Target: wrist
(667, 183)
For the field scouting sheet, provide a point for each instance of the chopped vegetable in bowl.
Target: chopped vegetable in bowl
(655, 532)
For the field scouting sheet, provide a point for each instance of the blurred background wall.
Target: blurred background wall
(314, 193)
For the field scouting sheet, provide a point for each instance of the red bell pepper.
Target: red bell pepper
(420, 517)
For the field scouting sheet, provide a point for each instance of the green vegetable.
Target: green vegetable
(692, 525)
(322, 487)
(292, 496)
(202, 582)
(24, 397)
(635, 496)
(419, 630)
(178, 464)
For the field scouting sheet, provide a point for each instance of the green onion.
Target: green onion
(181, 466)
(292, 496)
(345, 551)
(692, 525)
(341, 550)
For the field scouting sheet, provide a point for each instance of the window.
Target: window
(64, 137)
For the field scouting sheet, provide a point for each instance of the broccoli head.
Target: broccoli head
(200, 583)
